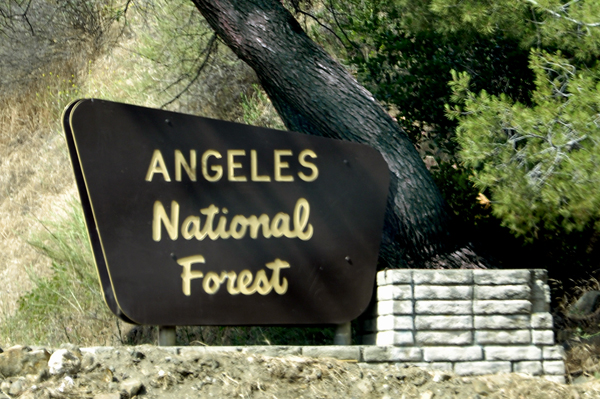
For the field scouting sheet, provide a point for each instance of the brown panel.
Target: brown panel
(325, 259)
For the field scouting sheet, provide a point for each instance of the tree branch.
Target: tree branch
(563, 8)
(209, 49)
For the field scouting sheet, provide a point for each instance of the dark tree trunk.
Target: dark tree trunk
(315, 95)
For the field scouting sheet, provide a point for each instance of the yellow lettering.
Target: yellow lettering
(309, 165)
(279, 164)
(190, 168)
(244, 281)
(237, 227)
(221, 231)
(241, 222)
(236, 284)
(261, 283)
(157, 165)
(232, 166)
(189, 274)
(281, 225)
(160, 215)
(212, 282)
(254, 169)
(301, 214)
(190, 227)
(276, 266)
(231, 277)
(217, 169)
(210, 213)
(256, 222)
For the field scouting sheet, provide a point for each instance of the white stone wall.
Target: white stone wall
(468, 321)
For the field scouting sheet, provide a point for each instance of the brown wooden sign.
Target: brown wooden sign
(195, 221)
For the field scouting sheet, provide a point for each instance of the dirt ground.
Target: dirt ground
(152, 372)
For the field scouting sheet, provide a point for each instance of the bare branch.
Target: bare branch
(300, 11)
(559, 15)
(211, 46)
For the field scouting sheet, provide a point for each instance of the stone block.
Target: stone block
(502, 292)
(391, 354)
(389, 292)
(443, 322)
(274, 351)
(394, 307)
(540, 292)
(540, 274)
(542, 337)
(443, 292)
(541, 321)
(443, 277)
(444, 337)
(481, 368)
(513, 353)
(335, 351)
(540, 296)
(393, 277)
(518, 306)
(443, 307)
(502, 277)
(553, 367)
(381, 280)
(97, 349)
(190, 353)
(394, 338)
(391, 322)
(501, 322)
(398, 276)
(553, 353)
(219, 349)
(503, 337)
(528, 367)
(452, 353)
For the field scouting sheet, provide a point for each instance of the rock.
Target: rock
(137, 356)
(64, 361)
(365, 386)
(586, 308)
(427, 395)
(481, 387)
(88, 362)
(21, 360)
(4, 386)
(130, 387)
(66, 384)
(16, 387)
(439, 377)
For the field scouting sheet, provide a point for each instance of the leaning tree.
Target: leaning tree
(314, 94)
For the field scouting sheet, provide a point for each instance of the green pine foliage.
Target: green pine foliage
(524, 119)
(540, 162)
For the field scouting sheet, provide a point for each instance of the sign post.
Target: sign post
(195, 221)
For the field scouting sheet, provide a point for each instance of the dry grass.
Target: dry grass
(35, 180)
(36, 183)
